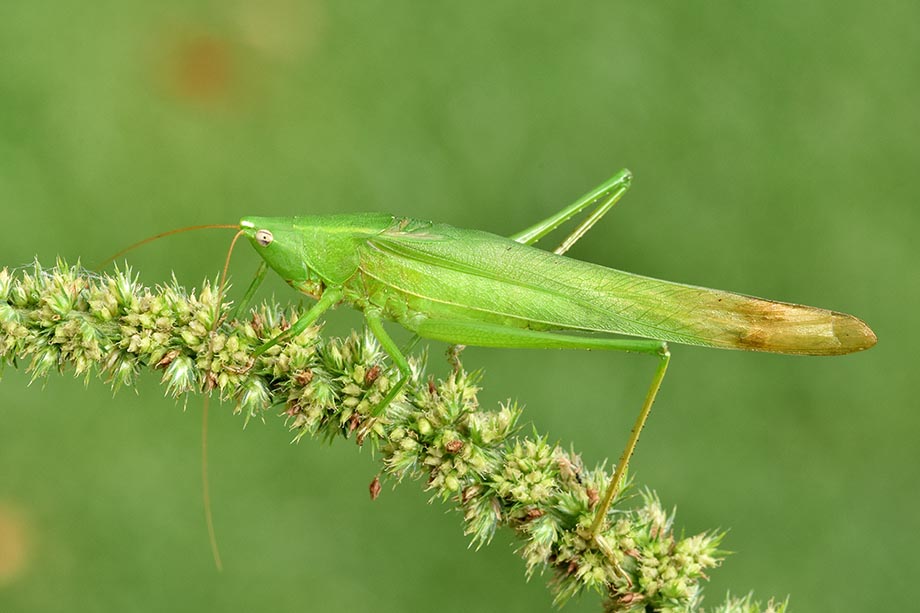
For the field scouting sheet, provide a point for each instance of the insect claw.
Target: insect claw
(453, 357)
(605, 548)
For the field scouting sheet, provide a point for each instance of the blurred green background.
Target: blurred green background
(775, 151)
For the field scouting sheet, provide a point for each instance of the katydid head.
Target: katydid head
(278, 242)
(306, 249)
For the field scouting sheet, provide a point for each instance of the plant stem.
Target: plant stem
(110, 324)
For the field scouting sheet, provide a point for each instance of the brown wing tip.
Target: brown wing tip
(780, 327)
(853, 334)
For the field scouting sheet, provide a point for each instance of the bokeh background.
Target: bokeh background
(775, 151)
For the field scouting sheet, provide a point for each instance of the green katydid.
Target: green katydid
(468, 287)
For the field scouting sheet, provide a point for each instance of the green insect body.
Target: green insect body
(468, 287)
(416, 272)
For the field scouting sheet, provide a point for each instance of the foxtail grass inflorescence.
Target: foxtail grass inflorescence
(66, 317)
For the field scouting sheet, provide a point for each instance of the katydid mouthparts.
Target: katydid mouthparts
(468, 287)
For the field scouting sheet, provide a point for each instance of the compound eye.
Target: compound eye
(264, 238)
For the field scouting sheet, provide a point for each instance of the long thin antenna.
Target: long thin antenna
(205, 484)
(223, 274)
(164, 234)
(206, 488)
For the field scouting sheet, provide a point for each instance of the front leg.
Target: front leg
(330, 298)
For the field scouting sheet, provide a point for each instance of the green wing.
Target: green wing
(467, 274)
